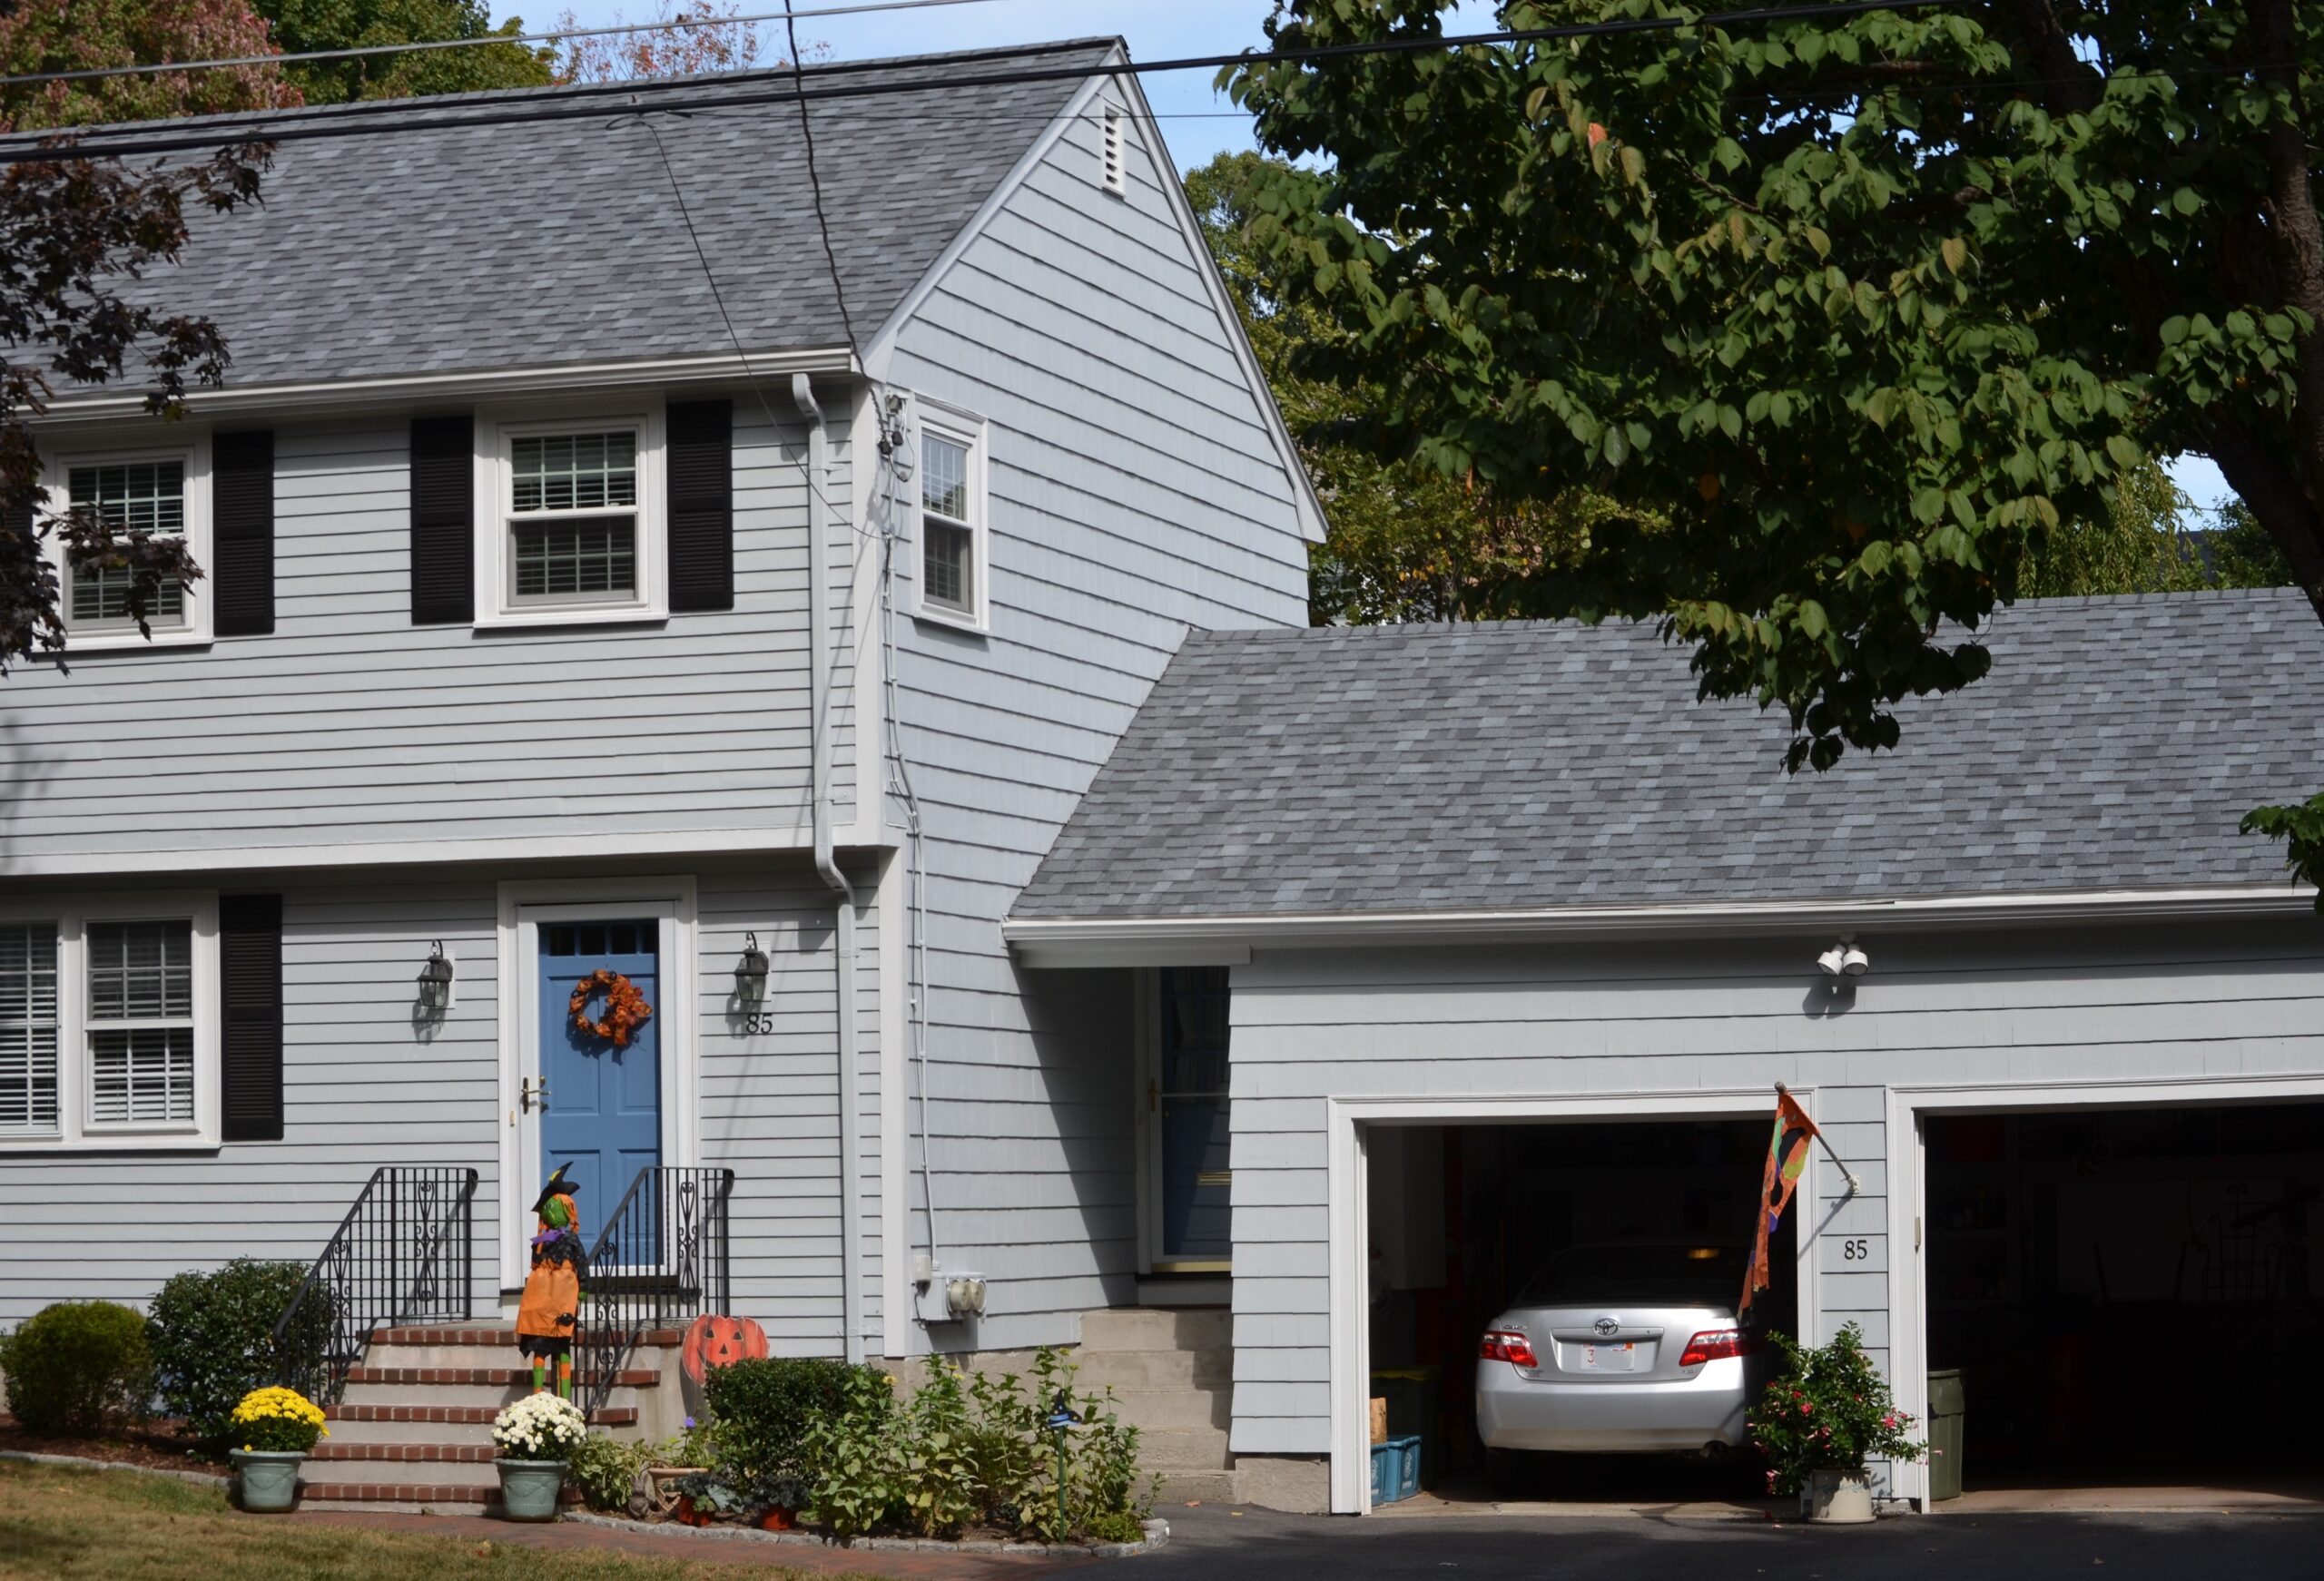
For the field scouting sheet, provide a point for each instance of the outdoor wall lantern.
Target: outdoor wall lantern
(749, 972)
(1844, 959)
(435, 979)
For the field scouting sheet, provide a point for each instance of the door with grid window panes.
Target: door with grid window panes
(140, 1023)
(573, 518)
(137, 496)
(1188, 1103)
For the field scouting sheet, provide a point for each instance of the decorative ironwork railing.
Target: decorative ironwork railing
(661, 1261)
(403, 1254)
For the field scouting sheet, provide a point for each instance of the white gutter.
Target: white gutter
(823, 657)
(343, 394)
(1228, 939)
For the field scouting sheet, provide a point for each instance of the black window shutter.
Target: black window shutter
(249, 970)
(443, 519)
(702, 505)
(243, 507)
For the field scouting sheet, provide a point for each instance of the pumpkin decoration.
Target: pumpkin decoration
(625, 1007)
(713, 1339)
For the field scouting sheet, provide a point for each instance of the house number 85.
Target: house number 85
(758, 1021)
(1856, 1251)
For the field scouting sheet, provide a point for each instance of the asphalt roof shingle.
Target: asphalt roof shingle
(2115, 745)
(441, 248)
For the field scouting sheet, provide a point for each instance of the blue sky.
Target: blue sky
(1196, 121)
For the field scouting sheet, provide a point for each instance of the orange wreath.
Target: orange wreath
(625, 1008)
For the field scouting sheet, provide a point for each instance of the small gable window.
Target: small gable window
(1113, 172)
(951, 521)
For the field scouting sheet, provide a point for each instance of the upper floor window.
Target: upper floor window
(574, 520)
(162, 492)
(953, 539)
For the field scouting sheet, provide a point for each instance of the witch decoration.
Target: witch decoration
(547, 1316)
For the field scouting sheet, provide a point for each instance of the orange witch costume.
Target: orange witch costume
(551, 1309)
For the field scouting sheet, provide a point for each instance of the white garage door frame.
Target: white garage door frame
(1908, 1187)
(1348, 1194)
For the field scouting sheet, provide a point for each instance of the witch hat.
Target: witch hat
(556, 1186)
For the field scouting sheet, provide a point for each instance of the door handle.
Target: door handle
(534, 1088)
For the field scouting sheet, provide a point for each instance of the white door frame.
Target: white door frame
(1908, 1184)
(1348, 1194)
(523, 904)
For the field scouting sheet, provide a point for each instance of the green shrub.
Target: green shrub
(77, 1365)
(761, 1409)
(212, 1338)
(606, 1470)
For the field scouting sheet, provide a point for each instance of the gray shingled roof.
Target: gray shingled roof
(441, 248)
(2115, 745)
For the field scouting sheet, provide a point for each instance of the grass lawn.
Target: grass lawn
(58, 1524)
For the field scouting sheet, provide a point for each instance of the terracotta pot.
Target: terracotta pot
(685, 1513)
(778, 1519)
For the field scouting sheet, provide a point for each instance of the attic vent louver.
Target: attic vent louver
(1115, 177)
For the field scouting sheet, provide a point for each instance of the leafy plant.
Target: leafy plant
(77, 1366)
(761, 1409)
(1828, 1409)
(278, 1420)
(853, 1487)
(212, 1338)
(2301, 828)
(606, 1470)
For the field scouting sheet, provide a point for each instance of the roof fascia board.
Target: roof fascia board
(880, 350)
(1303, 497)
(405, 389)
(1120, 941)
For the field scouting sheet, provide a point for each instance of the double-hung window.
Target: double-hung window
(162, 493)
(107, 1023)
(953, 559)
(576, 519)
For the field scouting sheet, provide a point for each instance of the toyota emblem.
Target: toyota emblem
(1607, 1327)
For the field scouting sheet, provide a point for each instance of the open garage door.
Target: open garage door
(2128, 1295)
(1623, 1244)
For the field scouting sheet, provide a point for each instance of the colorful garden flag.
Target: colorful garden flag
(1786, 1161)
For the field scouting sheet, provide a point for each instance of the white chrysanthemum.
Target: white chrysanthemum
(540, 1426)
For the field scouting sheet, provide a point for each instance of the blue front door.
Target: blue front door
(602, 1111)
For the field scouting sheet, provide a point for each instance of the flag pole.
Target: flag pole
(1856, 1186)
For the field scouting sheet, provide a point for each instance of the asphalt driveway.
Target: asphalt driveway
(1214, 1543)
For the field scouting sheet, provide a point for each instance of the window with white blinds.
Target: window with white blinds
(130, 497)
(573, 518)
(29, 1028)
(140, 1023)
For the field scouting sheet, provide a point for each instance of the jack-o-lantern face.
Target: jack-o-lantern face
(716, 1340)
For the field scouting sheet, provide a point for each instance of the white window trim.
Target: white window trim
(961, 428)
(497, 431)
(190, 447)
(75, 1133)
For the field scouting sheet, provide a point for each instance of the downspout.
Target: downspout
(823, 658)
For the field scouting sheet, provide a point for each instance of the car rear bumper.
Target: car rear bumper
(1632, 1416)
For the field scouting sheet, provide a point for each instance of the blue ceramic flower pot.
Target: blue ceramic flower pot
(270, 1478)
(528, 1488)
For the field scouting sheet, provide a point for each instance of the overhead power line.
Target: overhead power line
(558, 104)
(363, 52)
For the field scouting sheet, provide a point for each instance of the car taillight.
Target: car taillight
(1513, 1348)
(1714, 1344)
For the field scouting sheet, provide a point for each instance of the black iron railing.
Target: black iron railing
(661, 1261)
(402, 1255)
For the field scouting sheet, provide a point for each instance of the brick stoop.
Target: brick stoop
(612, 1416)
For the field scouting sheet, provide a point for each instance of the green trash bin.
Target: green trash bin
(1946, 1404)
(1415, 1407)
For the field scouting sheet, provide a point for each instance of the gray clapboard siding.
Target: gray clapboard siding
(348, 725)
(2098, 1003)
(1134, 492)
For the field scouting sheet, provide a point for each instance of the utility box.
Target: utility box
(1947, 1410)
(947, 1297)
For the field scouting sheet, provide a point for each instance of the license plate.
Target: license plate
(1614, 1356)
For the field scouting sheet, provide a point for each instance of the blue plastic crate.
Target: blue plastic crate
(1395, 1470)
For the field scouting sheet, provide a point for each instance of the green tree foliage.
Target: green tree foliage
(303, 25)
(1407, 542)
(73, 36)
(1862, 309)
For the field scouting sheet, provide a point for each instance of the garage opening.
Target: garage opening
(1623, 1216)
(2130, 1295)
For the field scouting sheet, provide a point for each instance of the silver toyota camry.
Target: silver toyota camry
(1622, 1349)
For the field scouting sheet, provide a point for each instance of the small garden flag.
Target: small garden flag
(1786, 1161)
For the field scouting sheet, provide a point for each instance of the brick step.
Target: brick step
(488, 1376)
(491, 1336)
(613, 1416)
(457, 1498)
(339, 1453)
(322, 1474)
